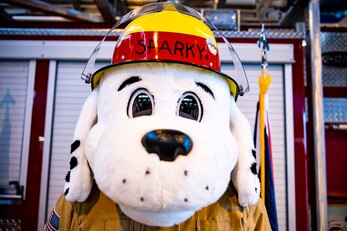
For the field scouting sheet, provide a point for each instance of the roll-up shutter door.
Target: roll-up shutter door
(14, 87)
(247, 104)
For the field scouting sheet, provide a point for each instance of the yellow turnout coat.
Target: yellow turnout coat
(100, 213)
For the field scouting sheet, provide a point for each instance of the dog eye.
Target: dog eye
(140, 104)
(189, 106)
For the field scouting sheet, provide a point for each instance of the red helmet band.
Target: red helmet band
(167, 46)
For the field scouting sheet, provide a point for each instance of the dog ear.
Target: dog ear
(79, 180)
(244, 175)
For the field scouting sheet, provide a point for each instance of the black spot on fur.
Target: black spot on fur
(256, 190)
(186, 173)
(66, 191)
(75, 145)
(124, 181)
(142, 199)
(148, 172)
(207, 188)
(254, 154)
(67, 177)
(73, 162)
(185, 200)
(254, 168)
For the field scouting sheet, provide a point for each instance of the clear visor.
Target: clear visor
(239, 75)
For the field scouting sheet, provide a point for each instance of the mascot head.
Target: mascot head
(160, 134)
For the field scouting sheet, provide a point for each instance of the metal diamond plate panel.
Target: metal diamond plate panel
(285, 34)
(333, 41)
(334, 76)
(335, 110)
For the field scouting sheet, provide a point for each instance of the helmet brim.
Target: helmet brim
(232, 84)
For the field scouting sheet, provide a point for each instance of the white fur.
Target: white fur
(168, 195)
(80, 176)
(153, 218)
(246, 183)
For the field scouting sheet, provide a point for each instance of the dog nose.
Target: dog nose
(167, 144)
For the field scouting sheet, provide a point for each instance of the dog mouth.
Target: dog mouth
(163, 201)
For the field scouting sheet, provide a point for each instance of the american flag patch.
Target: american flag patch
(53, 222)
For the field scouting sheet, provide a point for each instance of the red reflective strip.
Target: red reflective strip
(167, 46)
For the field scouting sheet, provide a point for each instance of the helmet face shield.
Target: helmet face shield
(168, 32)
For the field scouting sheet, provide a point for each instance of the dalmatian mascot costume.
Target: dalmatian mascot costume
(160, 143)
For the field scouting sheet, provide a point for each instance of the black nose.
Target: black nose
(167, 144)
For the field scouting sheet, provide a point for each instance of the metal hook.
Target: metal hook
(264, 46)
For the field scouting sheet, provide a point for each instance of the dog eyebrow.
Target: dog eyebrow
(205, 88)
(129, 81)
